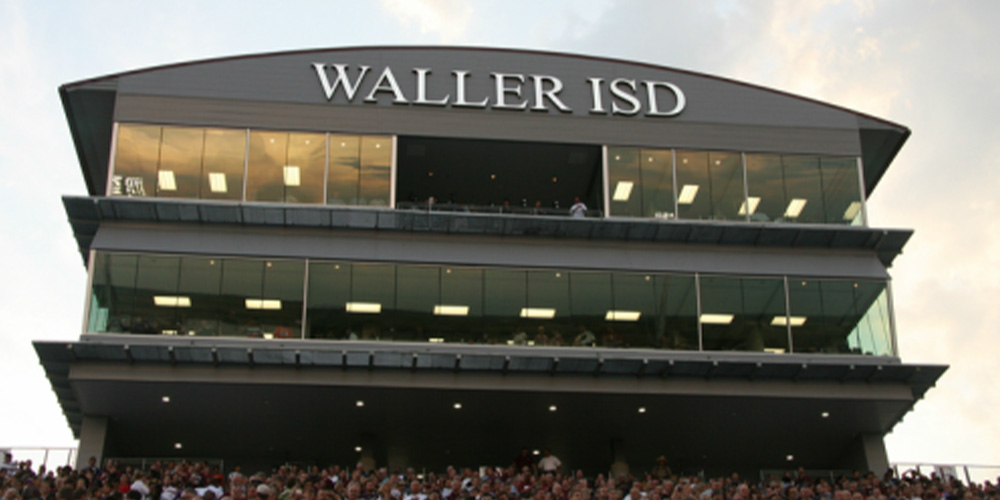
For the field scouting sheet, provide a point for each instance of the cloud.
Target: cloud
(448, 20)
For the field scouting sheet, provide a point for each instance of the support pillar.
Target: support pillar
(93, 436)
(619, 467)
(867, 453)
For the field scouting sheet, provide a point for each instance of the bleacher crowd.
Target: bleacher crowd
(200, 481)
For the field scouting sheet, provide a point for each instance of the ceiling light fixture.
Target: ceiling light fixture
(623, 191)
(688, 192)
(795, 207)
(717, 319)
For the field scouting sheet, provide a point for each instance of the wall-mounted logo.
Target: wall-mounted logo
(510, 91)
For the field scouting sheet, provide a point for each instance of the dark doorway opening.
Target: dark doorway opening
(488, 175)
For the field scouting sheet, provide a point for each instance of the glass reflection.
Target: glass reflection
(376, 165)
(136, 158)
(222, 172)
(179, 173)
(624, 184)
(257, 298)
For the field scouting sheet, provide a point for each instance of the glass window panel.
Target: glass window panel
(112, 300)
(329, 290)
(657, 191)
(590, 300)
(766, 185)
(505, 294)
(738, 314)
(676, 324)
(803, 188)
(633, 293)
(304, 170)
(282, 316)
(345, 170)
(157, 276)
(265, 167)
(726, 171)
(624, 183)
(136, 158)
(199, 282)
(224, 159)
(812, 329)
(376, 163)
(179, 174)
(841, 190)
(548, 314)
(872, 335)
(694, 197)
(242, 279)
(463, 287)
(372, 284)
(418, 290)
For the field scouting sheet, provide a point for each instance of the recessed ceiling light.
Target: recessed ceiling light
(457, 406)
(171, 301)
(451, 310)
(753, 202)
(357, 449)
(642, 409)
(165, 399)
(717, 319)
(623, 191)
(790, 458)
(363, 307)
(167, 181)
(789, 320)
(538, 313)
(553, 408)
(613, 315)
(292, 176)
(688, 192)
(217, 182)
(795, 207)
(825, 414)
(852, 210)
(536, 452)
(266, 304)
(178, 446)
(359, 403)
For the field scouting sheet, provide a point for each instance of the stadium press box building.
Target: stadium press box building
(421, 256)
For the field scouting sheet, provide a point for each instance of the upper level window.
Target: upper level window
(710, 185)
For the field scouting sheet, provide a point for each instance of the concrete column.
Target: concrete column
(867, 453)
(876, 458)
(93, 436)
(619, 467)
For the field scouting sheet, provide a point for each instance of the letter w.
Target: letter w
(342, 78)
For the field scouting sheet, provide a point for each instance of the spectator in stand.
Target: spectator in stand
(549, 462)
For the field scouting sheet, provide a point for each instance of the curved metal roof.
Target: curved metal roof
(719, 111)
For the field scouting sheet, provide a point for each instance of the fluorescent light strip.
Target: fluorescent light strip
(292, 177)
(785, 321)
(623, 191)
(364, 307)
(451, 310)
(167, 180)
(852, 210)
(171, 301)
(268, 304)
(538, 313)
(717, 319)
(217, 182)
(613, 315)
(688, 192)
(795, 207)
(754, 201)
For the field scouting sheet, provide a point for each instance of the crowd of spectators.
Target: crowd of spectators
(200, 481)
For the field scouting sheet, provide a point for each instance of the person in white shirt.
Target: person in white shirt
(549, 463)
(579, 208)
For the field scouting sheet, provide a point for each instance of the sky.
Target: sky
(929, 65)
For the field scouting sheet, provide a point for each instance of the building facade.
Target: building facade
(430, 256)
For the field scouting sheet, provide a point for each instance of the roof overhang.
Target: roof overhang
(299, 399)
(86, 214)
